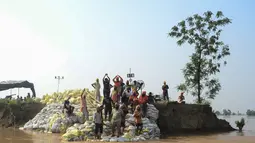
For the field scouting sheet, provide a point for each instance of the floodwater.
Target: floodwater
(247, 136)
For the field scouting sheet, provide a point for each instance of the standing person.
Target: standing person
(143, 100)
(127, 85)
(98, 120)
(97, 87)
(134, 86)
(133, 101)
(151, 99)
(118, 83)
(165, 91)
(84, 108)
(107, 103)
(116, 121)
(114, 95)
(107, 85)
(124, 111)
(125, 96)
(138, 119)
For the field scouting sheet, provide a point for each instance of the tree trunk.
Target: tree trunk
(198, 77)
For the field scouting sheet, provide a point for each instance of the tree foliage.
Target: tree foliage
(226, 112)
(203, 32)
(250, 112)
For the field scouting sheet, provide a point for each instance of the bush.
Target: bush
(240, 124)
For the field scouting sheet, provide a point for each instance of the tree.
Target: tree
(226, 112)
(250, 112)
(202, 32)
(217, 112)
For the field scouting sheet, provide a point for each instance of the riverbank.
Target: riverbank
(177, 118)
(16, 114)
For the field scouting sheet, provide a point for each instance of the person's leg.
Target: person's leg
(101, 130)
(137, 129)
(145, 109)
(96, 130)
(86, 114)
(113, 128)
(118, 129)
(105, 114)
(167, 97)
(110, 114)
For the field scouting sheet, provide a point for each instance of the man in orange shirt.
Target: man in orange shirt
(143, 100)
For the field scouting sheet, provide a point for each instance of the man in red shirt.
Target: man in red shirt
(143, 100)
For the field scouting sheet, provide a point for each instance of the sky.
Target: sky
(84, 39)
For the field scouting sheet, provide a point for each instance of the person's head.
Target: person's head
(106, 79)
(144, 93)
(117, 79)
(123, 106)
(97, 80)
(117, 106)
(134, 81)
(138, 108)
(128, 89)
(164, 82)
(182, 93)
(150, 94)
(127, 82)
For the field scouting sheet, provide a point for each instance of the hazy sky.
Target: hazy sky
(82, 40)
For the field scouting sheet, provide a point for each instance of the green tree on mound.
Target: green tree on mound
(203, 32)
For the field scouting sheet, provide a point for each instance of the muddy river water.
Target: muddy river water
(247, 136)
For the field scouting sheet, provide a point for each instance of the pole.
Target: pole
(58, 78)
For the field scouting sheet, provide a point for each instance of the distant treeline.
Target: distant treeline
(228, 112)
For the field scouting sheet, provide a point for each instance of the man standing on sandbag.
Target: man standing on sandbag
(151, 99)
(107, 85)
(107, 103)
(138, 120)
(97, 87)
(98, 120)
(118, 83)
(133, 101)
(125, 96)
(124, 111)
(69, 109)
(143, 100)
(165, 91)
(116, 121)
(84, 108)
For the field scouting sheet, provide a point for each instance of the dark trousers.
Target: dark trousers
(139, 128)
(98, 128)
(165, 96)
(106, 93)
(108, 111)
(144, 109)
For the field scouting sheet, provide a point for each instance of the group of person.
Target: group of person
(123, 99)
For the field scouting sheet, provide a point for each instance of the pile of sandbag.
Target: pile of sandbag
(152, 112)
(81, 132)
(51, 119)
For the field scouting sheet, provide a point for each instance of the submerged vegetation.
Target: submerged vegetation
(240, 124)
